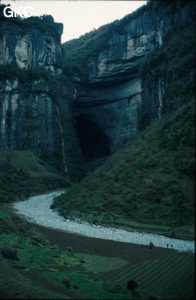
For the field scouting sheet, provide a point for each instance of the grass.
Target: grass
(95, 263)
(43, 23)
(94, 290)
(24, 174)
(42, 266)
(23, 278)
(157, 277)
(147, 184)
(176, 74)
(45, 266)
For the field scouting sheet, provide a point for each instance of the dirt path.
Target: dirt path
(135, 254)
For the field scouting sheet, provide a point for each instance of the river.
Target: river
(37, 210)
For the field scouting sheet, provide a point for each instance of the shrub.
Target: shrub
(148, 182)
(178, 131)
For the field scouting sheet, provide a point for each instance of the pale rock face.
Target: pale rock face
(30, 48)
(112, 96)
(36, 114)
(39, 116)
(48, 54)
(40, 85)
(125, 52)
(23, 52)
(10, 85)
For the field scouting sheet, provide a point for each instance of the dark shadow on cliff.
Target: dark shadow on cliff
(93, 141)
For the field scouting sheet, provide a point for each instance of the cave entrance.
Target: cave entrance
(93, 141)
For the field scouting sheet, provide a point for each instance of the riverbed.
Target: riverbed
(37, 210)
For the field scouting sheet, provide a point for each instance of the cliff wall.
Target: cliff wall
(35, 97)
(105, 86)
(32, 43)
(113, 92)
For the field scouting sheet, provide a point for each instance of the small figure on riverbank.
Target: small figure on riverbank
(151, 246)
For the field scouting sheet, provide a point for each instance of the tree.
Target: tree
(132, 285)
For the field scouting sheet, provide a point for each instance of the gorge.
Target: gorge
(58, 100)
(110, 118)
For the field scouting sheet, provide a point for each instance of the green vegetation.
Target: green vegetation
(75, 61)
(23, 276)
(147, 185)
(12, 71)
(43, 270)
(23, 174)
(99, 264)
(154, 279)
(44, 23)
(92, 290)
(150, 180)
(53, 88)
(178, 131)
(172, 63)
(26, 77)
(78, 51)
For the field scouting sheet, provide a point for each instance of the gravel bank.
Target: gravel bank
(37, 210)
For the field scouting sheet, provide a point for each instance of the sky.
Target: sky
(79, 17)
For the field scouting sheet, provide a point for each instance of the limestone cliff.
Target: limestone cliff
(35, 98)
(105, 86)
(29, 44)
(112, 91)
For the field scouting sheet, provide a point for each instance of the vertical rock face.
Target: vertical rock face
(35, 100)
(28, 118)
(28, 46)
(113, 93)
(113, 90)
(37, 105)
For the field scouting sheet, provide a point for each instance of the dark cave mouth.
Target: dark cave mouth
(94, 142)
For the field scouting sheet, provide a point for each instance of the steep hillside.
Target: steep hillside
(168, 75)
(84, 99)
(22, 174)
(150, 180)
(148, 183)
(128, 86)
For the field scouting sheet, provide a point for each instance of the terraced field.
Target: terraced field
(170, 278)
(166, 273)
(38, 262)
